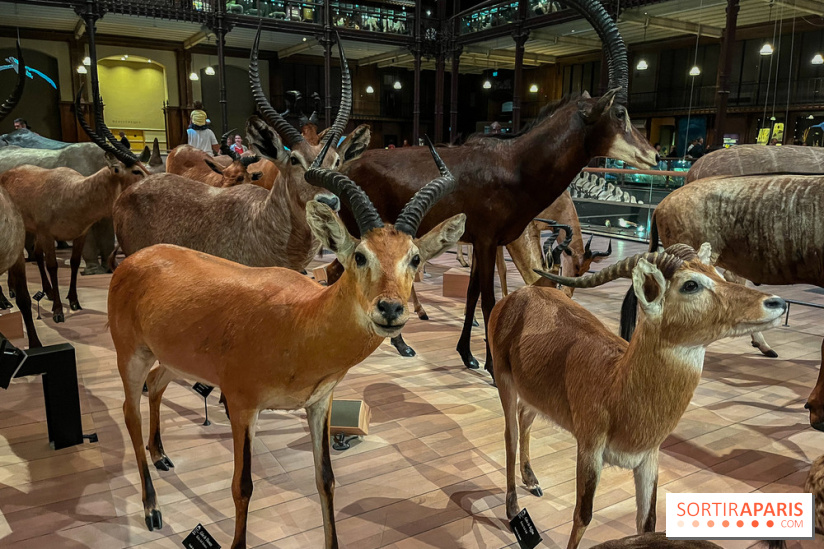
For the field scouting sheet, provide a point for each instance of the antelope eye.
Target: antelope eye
(360, 259)
(690, 287)
(294, 161)
(137, 172)
(416, 262)
(337, 162)
(621, 113)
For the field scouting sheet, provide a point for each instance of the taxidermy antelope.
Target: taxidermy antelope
(777, 219)
(244, 223)
(61, 204)
(504, 183)
(11, 227)
(291, 340)
(620, 400)
(193, 163)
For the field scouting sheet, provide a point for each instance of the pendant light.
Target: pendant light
(642, 63)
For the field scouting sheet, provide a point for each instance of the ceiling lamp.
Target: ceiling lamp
(533, 88)
(811, 117)
(210, 71)
(487, 84)
(818, 59)
(642, 65)
(193, 76)
(87, 61)
(695, 71)
(397, 85)
(81, 70)
(766, 49)
(370, 89)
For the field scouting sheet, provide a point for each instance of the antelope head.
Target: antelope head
(237, 172)
(685, 300)
(384, 260)
(582, 263)
(279, 141)
(610, 133)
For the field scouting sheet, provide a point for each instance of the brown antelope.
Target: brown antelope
(503, 183)
(620, 400)
(192, 163)
(244, 223)
(745, 218)
(291, 340)
(61, 204)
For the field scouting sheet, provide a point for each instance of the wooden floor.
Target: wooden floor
(431, 471)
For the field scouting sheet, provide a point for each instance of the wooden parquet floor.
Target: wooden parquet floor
(431, 472)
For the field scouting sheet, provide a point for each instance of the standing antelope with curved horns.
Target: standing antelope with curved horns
(270, 338)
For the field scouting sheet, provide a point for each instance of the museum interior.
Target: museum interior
(592, 170)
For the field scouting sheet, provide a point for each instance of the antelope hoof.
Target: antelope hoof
(12, 294)
(770, 353)
(58, 317)
(75, 306)
(154, 520)
(536, 491)
(422, 316)
(471, 362)
(4, 303)
(404, 349)
(164, 464)
(475, 323)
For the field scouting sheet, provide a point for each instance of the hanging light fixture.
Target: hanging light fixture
(766, 49)
(87, 61)
(811, 117)
(695, 71)
(370, 89)
(210, 71)
(487, 84)
(818, 59)
(533, 88)
(81, 70)
(194, 76)
(397, 85)
(642, 65)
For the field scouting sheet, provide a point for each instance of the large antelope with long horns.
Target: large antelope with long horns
(62, 204)
(290, 339)
(245, 223)
(504, 183)
(767, 229)
(620, 400)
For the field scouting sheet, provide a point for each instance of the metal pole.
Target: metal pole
(416, 98)
(453, 106)
(221, 68)
(520, 40)
(327, 61)
(724, 69)
(90, 17)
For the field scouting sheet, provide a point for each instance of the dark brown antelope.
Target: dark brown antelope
(291, 340)
(620, 400)
(504, 183)
(767, 229)
(62, 204)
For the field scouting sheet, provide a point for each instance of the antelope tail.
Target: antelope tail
(112, 261)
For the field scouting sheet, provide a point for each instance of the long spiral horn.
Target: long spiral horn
(284, 128)
(666, 262)
(9, 104)
(121, 153)
(345, 100)
(99, 141)
(614, 47)
(226, 149)
(416, 209)
(350, 193)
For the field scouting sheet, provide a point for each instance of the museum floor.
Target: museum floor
(431, 471)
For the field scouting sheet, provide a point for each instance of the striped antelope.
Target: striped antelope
(620, 400)
(270, 338)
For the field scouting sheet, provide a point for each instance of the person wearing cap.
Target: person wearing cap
(200, 136)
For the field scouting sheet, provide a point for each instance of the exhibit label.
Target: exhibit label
(199, 538)
(525, 531)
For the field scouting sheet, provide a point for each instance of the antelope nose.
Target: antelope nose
(390, 310)
(775, 303)
(330, 200)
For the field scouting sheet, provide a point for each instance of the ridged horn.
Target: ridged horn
(99, 141)
(606, 253)
(416, 209)
(316, 163)
(284, 128)
(248, 160)
(345, 108)
(226, 149)
(101, 126)
(666, 263)
(614, 47)
(350, 193)
(9, 104)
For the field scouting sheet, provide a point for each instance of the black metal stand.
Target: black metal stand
(340, 442)
(58, 366)
(206, 411)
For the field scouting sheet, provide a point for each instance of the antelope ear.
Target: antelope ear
(705, 253)
(648, 284)
(112, 162)
(215, 167)
(355, 143)
(586, 95)
(441, 238)
(265, 141)
(329, 229)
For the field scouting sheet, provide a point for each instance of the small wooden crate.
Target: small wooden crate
(11, 325)
(456, 282)
(350, 417)
(320, 273)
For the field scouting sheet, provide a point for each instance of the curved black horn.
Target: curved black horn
(248, 160)
(345, 108)
(316, 163)
(122, 153)
(350, 193)
(313, 119)
(99, 141)
(604, 254)
(284, 128)
(226, 149)
(410, 218)
(9, 104)
(614, 47)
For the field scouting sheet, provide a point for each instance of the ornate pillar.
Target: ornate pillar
(221, 29)
(520, 40)
(723, 79)
(91, 12)
(327, 41)
(416, 98)
(453, 104)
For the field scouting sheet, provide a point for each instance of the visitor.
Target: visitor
(124, 141)
(698, 149)
(658, 148)
(237, 146)
(774, 142)
(406, 143)
(200, 136)
(21, 124)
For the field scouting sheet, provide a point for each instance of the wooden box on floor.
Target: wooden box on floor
(320, 273)
(350, 417)
(455, 283)
(11, 325)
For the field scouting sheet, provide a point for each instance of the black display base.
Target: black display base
(58, 366)
(340, 442)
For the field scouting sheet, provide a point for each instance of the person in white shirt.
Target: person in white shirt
(200, 136)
